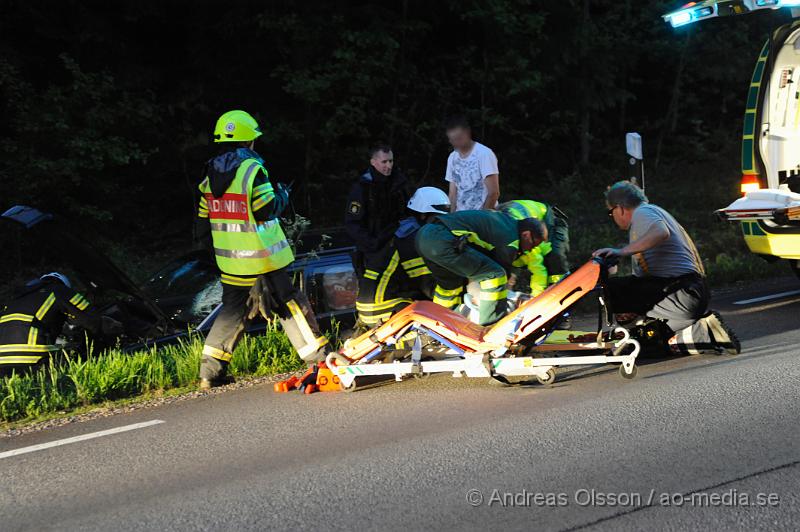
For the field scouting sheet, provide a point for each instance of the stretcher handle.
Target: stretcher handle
(333, 359)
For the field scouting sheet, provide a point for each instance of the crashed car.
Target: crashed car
(184, 296)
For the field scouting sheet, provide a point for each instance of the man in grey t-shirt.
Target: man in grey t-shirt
(668, 282)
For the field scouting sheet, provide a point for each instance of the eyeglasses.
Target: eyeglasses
(611, 211)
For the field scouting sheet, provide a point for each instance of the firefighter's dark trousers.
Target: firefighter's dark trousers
(679, 303)
(295, 314)
(558, 235)
(453, 269)
(375, 303)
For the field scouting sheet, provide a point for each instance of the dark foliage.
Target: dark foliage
(107, 107)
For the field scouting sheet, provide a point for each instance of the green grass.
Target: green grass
(70, 382)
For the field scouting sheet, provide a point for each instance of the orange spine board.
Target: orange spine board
(538, 311)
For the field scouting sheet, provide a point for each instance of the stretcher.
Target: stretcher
(444, 341)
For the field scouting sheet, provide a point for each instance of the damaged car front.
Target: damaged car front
(184, 296)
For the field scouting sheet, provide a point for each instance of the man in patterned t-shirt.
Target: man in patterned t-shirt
(471, 170)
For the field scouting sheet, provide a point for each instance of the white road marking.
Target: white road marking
(75, 439)
(767, 298)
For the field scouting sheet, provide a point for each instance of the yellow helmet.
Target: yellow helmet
(236, 126)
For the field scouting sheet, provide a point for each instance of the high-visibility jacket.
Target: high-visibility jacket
(533, 260)
(30, 324)
(244, 246)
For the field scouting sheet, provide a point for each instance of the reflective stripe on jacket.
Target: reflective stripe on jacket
(242, 245)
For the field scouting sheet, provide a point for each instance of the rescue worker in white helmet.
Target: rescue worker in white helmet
(31, 323)
(239, 209)
(398, 276)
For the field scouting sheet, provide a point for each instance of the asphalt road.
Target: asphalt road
(593, 452)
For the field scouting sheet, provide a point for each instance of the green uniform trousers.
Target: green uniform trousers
(453, 269)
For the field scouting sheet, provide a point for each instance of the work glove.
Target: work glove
(260, 299)
(281, 200)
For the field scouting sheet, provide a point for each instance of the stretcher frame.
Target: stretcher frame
(470, 350)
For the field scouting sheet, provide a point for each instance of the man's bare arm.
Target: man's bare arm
(492, 183)
(453, 193)
(654, 236)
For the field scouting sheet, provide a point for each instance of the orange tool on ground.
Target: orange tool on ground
(317, 378)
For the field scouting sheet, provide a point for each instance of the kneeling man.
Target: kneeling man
(668, 282)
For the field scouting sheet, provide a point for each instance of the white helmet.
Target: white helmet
(429, 199)
(56, 276)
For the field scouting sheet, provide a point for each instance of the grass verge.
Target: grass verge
(75, 383)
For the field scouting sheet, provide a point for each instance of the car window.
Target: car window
(331, 288)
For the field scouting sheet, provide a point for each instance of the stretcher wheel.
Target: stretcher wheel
(421, 376)
(625, 375)
(548, 379)
(351, 388)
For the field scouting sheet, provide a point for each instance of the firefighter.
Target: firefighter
(476, 246)
(546, 263)
(376, 204)
(239, 208)
(31, 323)
(398, 276)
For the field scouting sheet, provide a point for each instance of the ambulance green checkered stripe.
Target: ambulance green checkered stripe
(751, 112)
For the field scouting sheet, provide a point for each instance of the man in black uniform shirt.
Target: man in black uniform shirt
(376, 204)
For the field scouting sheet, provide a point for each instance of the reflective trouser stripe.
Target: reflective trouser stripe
(412, 263)
(48, 303)
(219, 354)
(373, 319)
(31, 359)
(494, 289)
(386, 277)
(494, 283)
(311, 348)
(371, 275)
(493, 296)
(33, 336)
(238, 281)
(447, 298)
(302, 324)
(371, 314)
(380, 306)
(27, 348)
(28, 318)
(418, 272)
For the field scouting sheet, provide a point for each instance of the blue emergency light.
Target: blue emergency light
(694, 11)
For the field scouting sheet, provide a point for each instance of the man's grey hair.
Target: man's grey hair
(625, 194)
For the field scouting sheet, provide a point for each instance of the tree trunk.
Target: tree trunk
(671, 118)
(399, 71)
(584, 128)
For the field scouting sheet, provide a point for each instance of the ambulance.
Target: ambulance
(769, 210)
